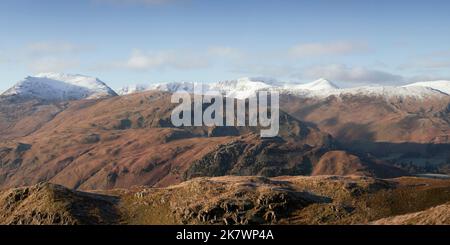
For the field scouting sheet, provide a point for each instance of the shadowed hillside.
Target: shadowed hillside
(129, 140)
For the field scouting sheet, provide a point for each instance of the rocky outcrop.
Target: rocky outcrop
(254, 156)
(48, 204)
(248, 207)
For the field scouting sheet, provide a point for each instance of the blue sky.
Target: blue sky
(143, 41)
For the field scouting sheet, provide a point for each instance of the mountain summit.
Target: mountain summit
(131, 89)
(60, 87)
(441, 85)
(320, 84)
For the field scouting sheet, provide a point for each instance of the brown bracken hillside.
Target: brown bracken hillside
(237, 200)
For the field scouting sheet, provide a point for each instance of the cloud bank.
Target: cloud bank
(63, 56)
(140, 60)
(53, 56)
(55, 48)
(344, 73)
(327, 49)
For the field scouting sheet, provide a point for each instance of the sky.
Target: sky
(146, 41)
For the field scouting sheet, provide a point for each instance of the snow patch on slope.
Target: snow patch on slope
(442, 85)
(387, 92)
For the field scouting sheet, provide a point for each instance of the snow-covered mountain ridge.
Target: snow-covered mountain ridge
(321, 88)
(60, 87)
(55, 86)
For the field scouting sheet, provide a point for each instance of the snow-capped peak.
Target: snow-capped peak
(243, 84)
(131, 89)
(441, 85)
(175, 86)
(59, 87)
(243, 87)
(320, 84)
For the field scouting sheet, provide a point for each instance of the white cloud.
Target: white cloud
(140, 60)
(5, 58)
(325, 49)
(55, 48)
(438, 54)
(52, 64)
(421, 78)
(224, 52)
(436, 64)
(426, 64)
(343, 73)
(52, 56)
(266, 70)
(429, 62)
